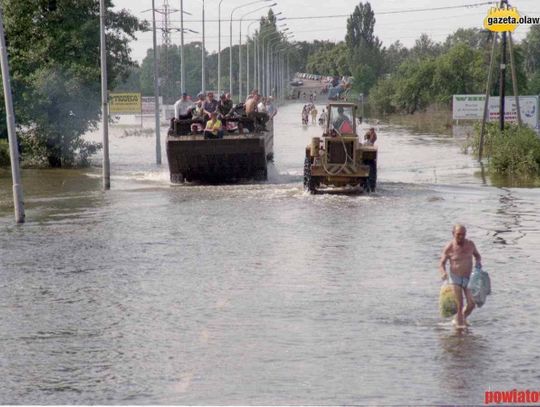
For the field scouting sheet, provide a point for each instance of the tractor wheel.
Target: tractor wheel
(371, 182)
(309, 182)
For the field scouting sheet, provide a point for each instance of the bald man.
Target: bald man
(460, 251)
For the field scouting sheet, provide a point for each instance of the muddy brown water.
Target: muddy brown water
(259, 293)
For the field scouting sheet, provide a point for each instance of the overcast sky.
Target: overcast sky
(393, 21)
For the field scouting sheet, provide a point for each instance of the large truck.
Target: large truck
(238, 155)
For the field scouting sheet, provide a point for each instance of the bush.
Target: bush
(4, 154)
(514, 151)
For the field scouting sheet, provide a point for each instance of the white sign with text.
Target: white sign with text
(471, 107)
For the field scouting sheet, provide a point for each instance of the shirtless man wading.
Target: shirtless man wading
(460, 252)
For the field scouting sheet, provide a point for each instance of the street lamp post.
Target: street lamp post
(230, 38)
(247, 55)
(10, 121)
(240, 48)
(266, 66)
(105, 101)
(156, 91)
(203, 60)
(219, 49)
(182, 64)
(280, 50)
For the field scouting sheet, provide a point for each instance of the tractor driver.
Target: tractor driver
(342, 123)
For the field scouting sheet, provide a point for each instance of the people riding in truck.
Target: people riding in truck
(214, 127)
(210, 104)
(183, 107)
(259, 119)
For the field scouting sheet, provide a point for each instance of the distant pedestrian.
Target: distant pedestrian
(314, 113)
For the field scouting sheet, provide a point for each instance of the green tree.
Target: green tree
(534, 84)
(363, 46)
(54, 49)
(329, 61)
(381, 97)
(473, 37)
(531, 47)
(425, 47)
(393, 56)
(133, 81)
(461, 70)
(413, 87)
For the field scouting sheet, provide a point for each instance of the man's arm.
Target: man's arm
(442, 262)
(477, 256)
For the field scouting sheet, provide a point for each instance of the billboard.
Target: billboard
(471, 107)
(126, 103)
(149, 105)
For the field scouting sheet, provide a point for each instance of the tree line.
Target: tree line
(396, 78)
(53, 47)
(54, 57)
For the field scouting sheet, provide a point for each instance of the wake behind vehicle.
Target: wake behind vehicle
(242, 153)
(338, 159)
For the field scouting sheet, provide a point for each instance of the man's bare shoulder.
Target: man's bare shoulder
(448, 247)
(470, 244)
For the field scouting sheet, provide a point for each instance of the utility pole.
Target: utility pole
(514, 78)
(502, 80)
(488, 91)
(156, 86)
(104, 98)
(182, 64)
(10, 120)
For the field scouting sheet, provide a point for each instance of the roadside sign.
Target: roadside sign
(471, 107)
(149, 105)
(125, 103)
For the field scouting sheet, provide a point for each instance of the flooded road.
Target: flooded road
(259, 293)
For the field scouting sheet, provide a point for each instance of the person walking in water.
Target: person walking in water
(314, 113)
(460, 251)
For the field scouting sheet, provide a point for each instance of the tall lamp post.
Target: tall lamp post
(247, 55)
(156, 88)
(280, 69)
(240, 48)
(105, 101)
(12, 136)
(219, 49)
(261, 58)
(266, 60)
(182, 64)
(203, 60)
(230, 39)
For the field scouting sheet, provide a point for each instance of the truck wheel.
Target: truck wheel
(309, 182)
(261, 175)
(177, 178)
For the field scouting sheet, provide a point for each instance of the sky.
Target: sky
(319, 20)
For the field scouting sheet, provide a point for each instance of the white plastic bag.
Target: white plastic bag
(480, 286)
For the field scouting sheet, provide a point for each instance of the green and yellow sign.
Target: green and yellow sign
(128, 103)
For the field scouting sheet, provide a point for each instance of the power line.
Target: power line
(486, 3)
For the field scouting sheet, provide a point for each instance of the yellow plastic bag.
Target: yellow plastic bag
(447, 301)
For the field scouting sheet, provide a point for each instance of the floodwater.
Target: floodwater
(259, 293)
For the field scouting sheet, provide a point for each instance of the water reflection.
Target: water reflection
(509, 212)
(465, 358)
(259, 293)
